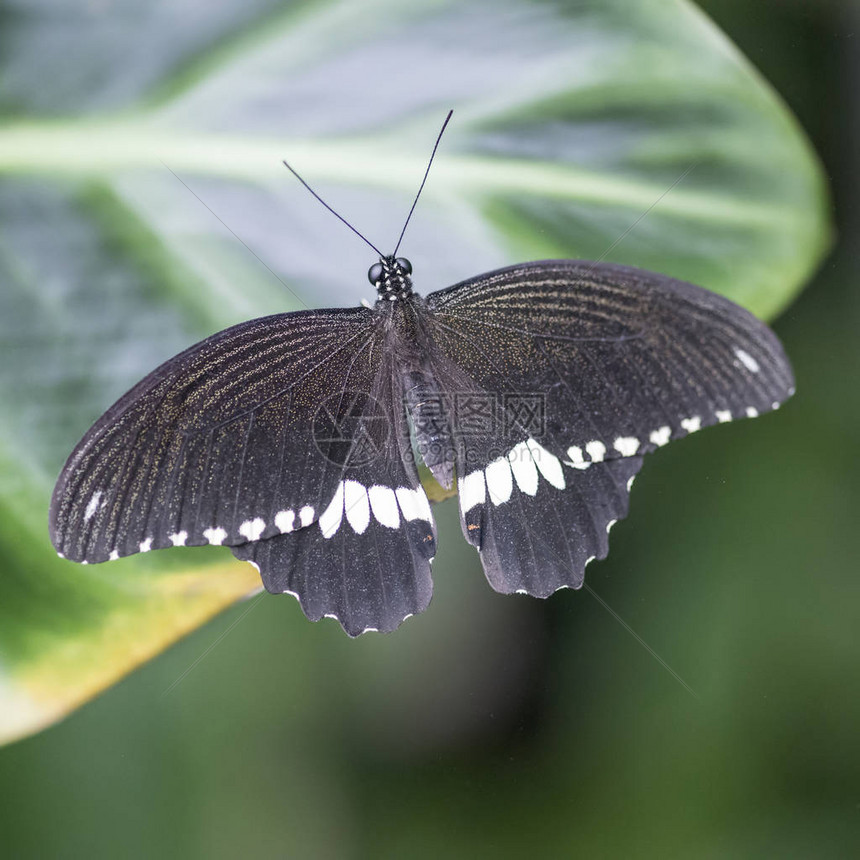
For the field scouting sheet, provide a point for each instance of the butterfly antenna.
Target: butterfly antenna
(426, 172)
(338, 216)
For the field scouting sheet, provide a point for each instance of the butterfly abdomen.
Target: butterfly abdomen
(428, 412)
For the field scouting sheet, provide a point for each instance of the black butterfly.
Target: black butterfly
(291, 438)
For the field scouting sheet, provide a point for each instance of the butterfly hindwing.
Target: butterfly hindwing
(538, 520)
(366, 562)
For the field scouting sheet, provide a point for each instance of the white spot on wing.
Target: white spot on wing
(752, 412)
(146, 546)
(575, 454)
(548, 464)
(114, 556)
(356, 505)
(331, 518)
(630, 483)
(661, 436)
(748, 361)
(179, 538)
(473, 491)
(692, 424)
(576, 458)
(723, 415)
(284, 521)
(609, 525)
(413, 504)
(626, 446)
(252, 529)
(500, 481)
(596, 450)
(383, 502)
(524, 469)
(92, 505)
(306, 515)
(215, 535)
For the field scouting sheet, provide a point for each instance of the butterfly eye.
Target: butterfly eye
(374, 273)
(404, 264)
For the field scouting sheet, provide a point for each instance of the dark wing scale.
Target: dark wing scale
(215, 446)
(624, 361)
(620, 354)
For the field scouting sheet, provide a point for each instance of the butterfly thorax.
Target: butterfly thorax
(392, 278)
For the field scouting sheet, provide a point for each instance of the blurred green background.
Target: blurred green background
(489, 725)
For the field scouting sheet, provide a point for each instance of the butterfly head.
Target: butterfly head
(392, 278)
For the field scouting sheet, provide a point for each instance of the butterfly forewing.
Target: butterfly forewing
(218, 444)
(622, 360)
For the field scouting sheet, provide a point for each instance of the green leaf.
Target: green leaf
(626, 130)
